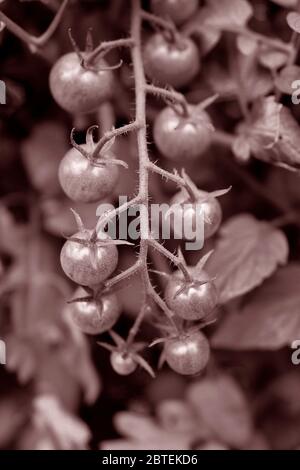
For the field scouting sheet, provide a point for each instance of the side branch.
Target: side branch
(28, 38)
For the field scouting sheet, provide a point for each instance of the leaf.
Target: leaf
(248, 252)
(220, 402)
(270, 318)
(229, 13)
(293, 20)
(274, 136)
(286, 77)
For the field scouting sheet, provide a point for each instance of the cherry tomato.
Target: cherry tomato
(187, 354)
(187, 211)
(122, 363)
(88, 265)
(196, 301)
(95, 317)
(181, 138)
(80, 90)
(176, 10)
(169, 63)
(84, 182)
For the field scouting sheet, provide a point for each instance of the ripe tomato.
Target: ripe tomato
(186, 213)
(122, 363)
(196, 301)
(88, 265)
(169, 64)
(80, 90)
(176, 10)
(187, 354)
(94, 317)
(84, 182)
(181, 138)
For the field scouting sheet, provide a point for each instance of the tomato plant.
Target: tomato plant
(85, 181)
(78, 88)
(205, 206)
(178, 11)
(86, 262)
(182, 137)
(187, 354)
(171, 63)
(94, 315)
(122, 363)
(189, 97)
(191, 301)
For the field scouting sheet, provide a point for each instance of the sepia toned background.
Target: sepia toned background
(57, 387)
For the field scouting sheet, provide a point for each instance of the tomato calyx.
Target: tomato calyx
(127, 351)
(195, 195)
(83, 56)
(103, 155)
(92, 239)
(193, 281)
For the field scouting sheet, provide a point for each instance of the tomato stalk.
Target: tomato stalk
(34, 42)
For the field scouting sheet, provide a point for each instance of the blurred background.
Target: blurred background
(57, 388)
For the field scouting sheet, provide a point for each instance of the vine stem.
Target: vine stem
(106, 47)
(140, 119)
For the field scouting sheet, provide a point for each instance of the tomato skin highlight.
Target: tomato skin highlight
(189, 354)
(177, 11)
(196, 302)
(180, 138)
(122, 363)
(76, 261)
(79, 90)
(167, 64)
(84, 182)
(93, 317)
(187, 211)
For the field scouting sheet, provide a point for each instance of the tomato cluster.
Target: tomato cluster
(182, 133)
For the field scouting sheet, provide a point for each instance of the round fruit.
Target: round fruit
(187, 212)
(88, 265)
(188, 354)
(84, 182)
(177, 11)
(169, 63)
(180, 137)
(122, 363)
(94, 317)
(195, 302)
(77, 89)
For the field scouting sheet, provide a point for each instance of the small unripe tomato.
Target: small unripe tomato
(187, 354)
(122, 363)
(84, 182)
(180, 137)
(169, 63)
(188, 211)
(176, 10)
(94, 317)
(195, 302)
(88, 265)
(77, 89)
